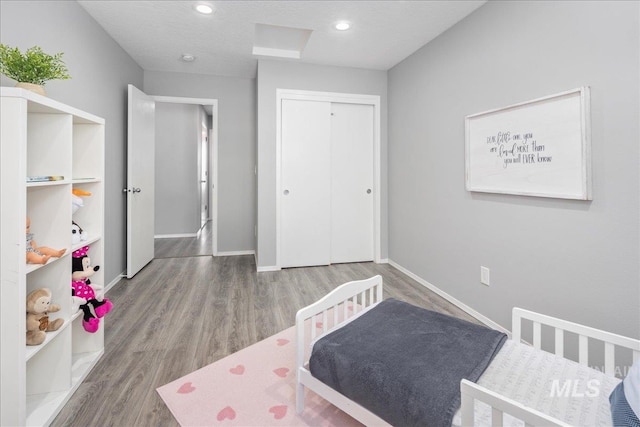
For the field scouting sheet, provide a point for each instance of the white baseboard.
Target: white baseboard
(235, 253)
(114, 281)
(383, 261)
(484, 319)
(268, 268)
(175, 236)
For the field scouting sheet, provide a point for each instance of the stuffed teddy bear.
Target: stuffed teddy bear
(93, 305)
(39, 254)
(38, 308)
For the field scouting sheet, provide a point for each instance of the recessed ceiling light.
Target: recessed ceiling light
(342, 25)
(205, 9)
(187, 57)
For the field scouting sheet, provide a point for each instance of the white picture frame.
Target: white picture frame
(536, 148)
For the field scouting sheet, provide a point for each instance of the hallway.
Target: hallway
(181, 247)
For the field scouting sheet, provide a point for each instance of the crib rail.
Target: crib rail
(584, 333)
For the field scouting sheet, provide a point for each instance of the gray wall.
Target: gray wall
(100, 71)
(177, 204)
(573, 259)
(274, 75)
(236, 147)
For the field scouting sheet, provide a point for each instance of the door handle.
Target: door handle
(368, 191)
(125, 190)
(285, 192)
(136, 190)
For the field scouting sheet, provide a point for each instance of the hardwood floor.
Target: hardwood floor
(180, 314)
(186, 246)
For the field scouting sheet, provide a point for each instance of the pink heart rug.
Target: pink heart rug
(253, 387)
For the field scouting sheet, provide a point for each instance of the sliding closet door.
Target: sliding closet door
(351, 183)
(305, 215)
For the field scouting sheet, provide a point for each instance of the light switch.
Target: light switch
(484, 275)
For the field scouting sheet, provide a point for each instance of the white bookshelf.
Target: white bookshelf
(40, 136)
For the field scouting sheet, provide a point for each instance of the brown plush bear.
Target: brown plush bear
(38, 307)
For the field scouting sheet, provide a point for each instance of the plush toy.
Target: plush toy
(78, 192)
(38, 308)
(77, 233)
(76, 199)
(93, 305)
(39, 254)
(76, 203)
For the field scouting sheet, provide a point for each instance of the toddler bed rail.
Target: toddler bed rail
(500, 404)
(584, 333)
(330, 312)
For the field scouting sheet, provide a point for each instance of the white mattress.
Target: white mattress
(527, 375)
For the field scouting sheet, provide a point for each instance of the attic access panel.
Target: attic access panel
(282, 42)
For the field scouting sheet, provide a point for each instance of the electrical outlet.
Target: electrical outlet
(484, 275)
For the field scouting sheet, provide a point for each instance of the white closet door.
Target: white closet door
(305, 215)
(352, 183)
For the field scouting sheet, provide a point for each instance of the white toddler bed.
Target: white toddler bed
(514, 389)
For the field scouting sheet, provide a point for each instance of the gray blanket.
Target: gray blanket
(405, 363)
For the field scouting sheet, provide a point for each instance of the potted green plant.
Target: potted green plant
(33, 68)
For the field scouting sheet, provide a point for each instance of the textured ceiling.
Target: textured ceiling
(383, 33)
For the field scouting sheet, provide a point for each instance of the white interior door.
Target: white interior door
(140, 180)
(204, 176)
(352, 183)
(213, 184)
(305, 174)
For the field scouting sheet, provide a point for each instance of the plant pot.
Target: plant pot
(39, 89)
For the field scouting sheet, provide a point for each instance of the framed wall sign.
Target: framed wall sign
(535, 148)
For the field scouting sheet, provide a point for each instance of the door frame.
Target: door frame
(345, 98)
(213, 157)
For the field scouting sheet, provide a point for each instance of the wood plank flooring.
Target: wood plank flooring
(180, 314)
(186, 246)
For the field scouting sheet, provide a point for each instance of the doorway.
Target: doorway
(202, 240)
(141, 208)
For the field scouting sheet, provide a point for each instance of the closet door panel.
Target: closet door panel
(352, 183)
(305, 183)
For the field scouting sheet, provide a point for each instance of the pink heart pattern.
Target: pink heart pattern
(238, 370)
(226, 413)
(186, 388)
(278, 412)
(219, 396)
(281, 372)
